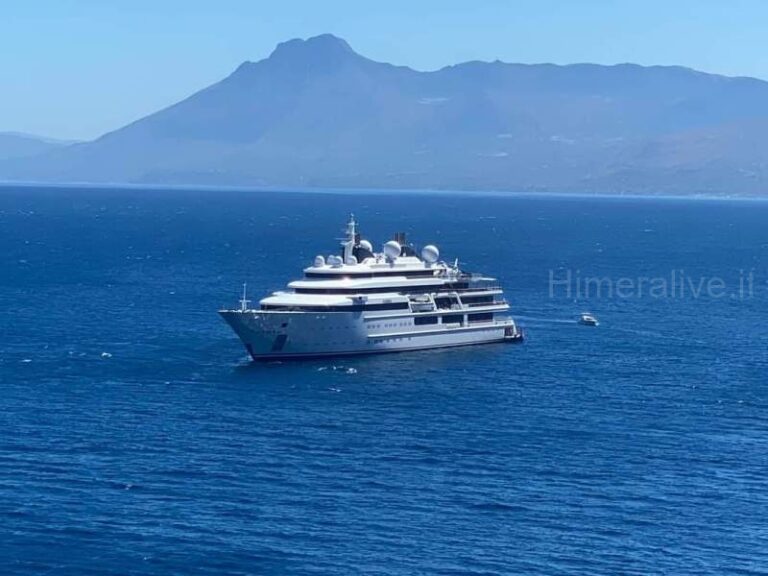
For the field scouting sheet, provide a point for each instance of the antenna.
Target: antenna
(351, 226)
(454, 271)
(244, 300)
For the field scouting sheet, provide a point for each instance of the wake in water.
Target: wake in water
(643, 332)
(334, 368)
(541, 320)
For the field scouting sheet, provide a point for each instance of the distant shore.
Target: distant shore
(376, 191)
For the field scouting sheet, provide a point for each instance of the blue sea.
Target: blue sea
(137, 438)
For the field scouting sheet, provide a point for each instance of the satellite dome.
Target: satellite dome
(392, 249)
(334, 260)
(352, 260)
(319, 261)
(430, 253)
(365, 245)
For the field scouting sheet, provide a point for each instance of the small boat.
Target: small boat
(588, 319)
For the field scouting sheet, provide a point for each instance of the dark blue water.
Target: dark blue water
(136, 438)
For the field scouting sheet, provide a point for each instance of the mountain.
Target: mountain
(317, 114)
(18, 145)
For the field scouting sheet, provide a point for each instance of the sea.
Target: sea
(137, 438)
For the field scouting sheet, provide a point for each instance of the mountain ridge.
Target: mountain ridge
(317, 114)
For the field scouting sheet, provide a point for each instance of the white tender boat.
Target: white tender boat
(362, 302)
(588, 319)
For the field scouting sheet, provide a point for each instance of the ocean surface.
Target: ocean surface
(137, 438)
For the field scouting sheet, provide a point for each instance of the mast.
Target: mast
(349, 243)
(244, 300)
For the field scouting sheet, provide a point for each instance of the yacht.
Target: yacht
(365, 302)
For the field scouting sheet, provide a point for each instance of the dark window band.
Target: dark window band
(401, 289)
(350, 308)
(477, 299)
(356, 276)
(481, 317)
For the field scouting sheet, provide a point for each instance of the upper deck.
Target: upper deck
(377, 266)
(359, 271)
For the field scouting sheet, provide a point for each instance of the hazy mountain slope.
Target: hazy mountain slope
(17, 145)
(315, 113)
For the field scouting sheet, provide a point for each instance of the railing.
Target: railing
(476, 304)
(477, 286)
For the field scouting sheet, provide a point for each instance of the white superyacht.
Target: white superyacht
(363, 302)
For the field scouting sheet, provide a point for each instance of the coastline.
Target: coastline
(350, 191)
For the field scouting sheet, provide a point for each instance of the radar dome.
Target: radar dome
(334, 260)
(319, 261)
(430, 253)
(392, 249)
(352, 260)
(365, 245)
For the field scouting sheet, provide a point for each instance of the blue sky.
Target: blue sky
(79, 68)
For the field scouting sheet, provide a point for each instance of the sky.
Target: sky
(75, 69)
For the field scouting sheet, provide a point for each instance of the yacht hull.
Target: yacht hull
(283, 335)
